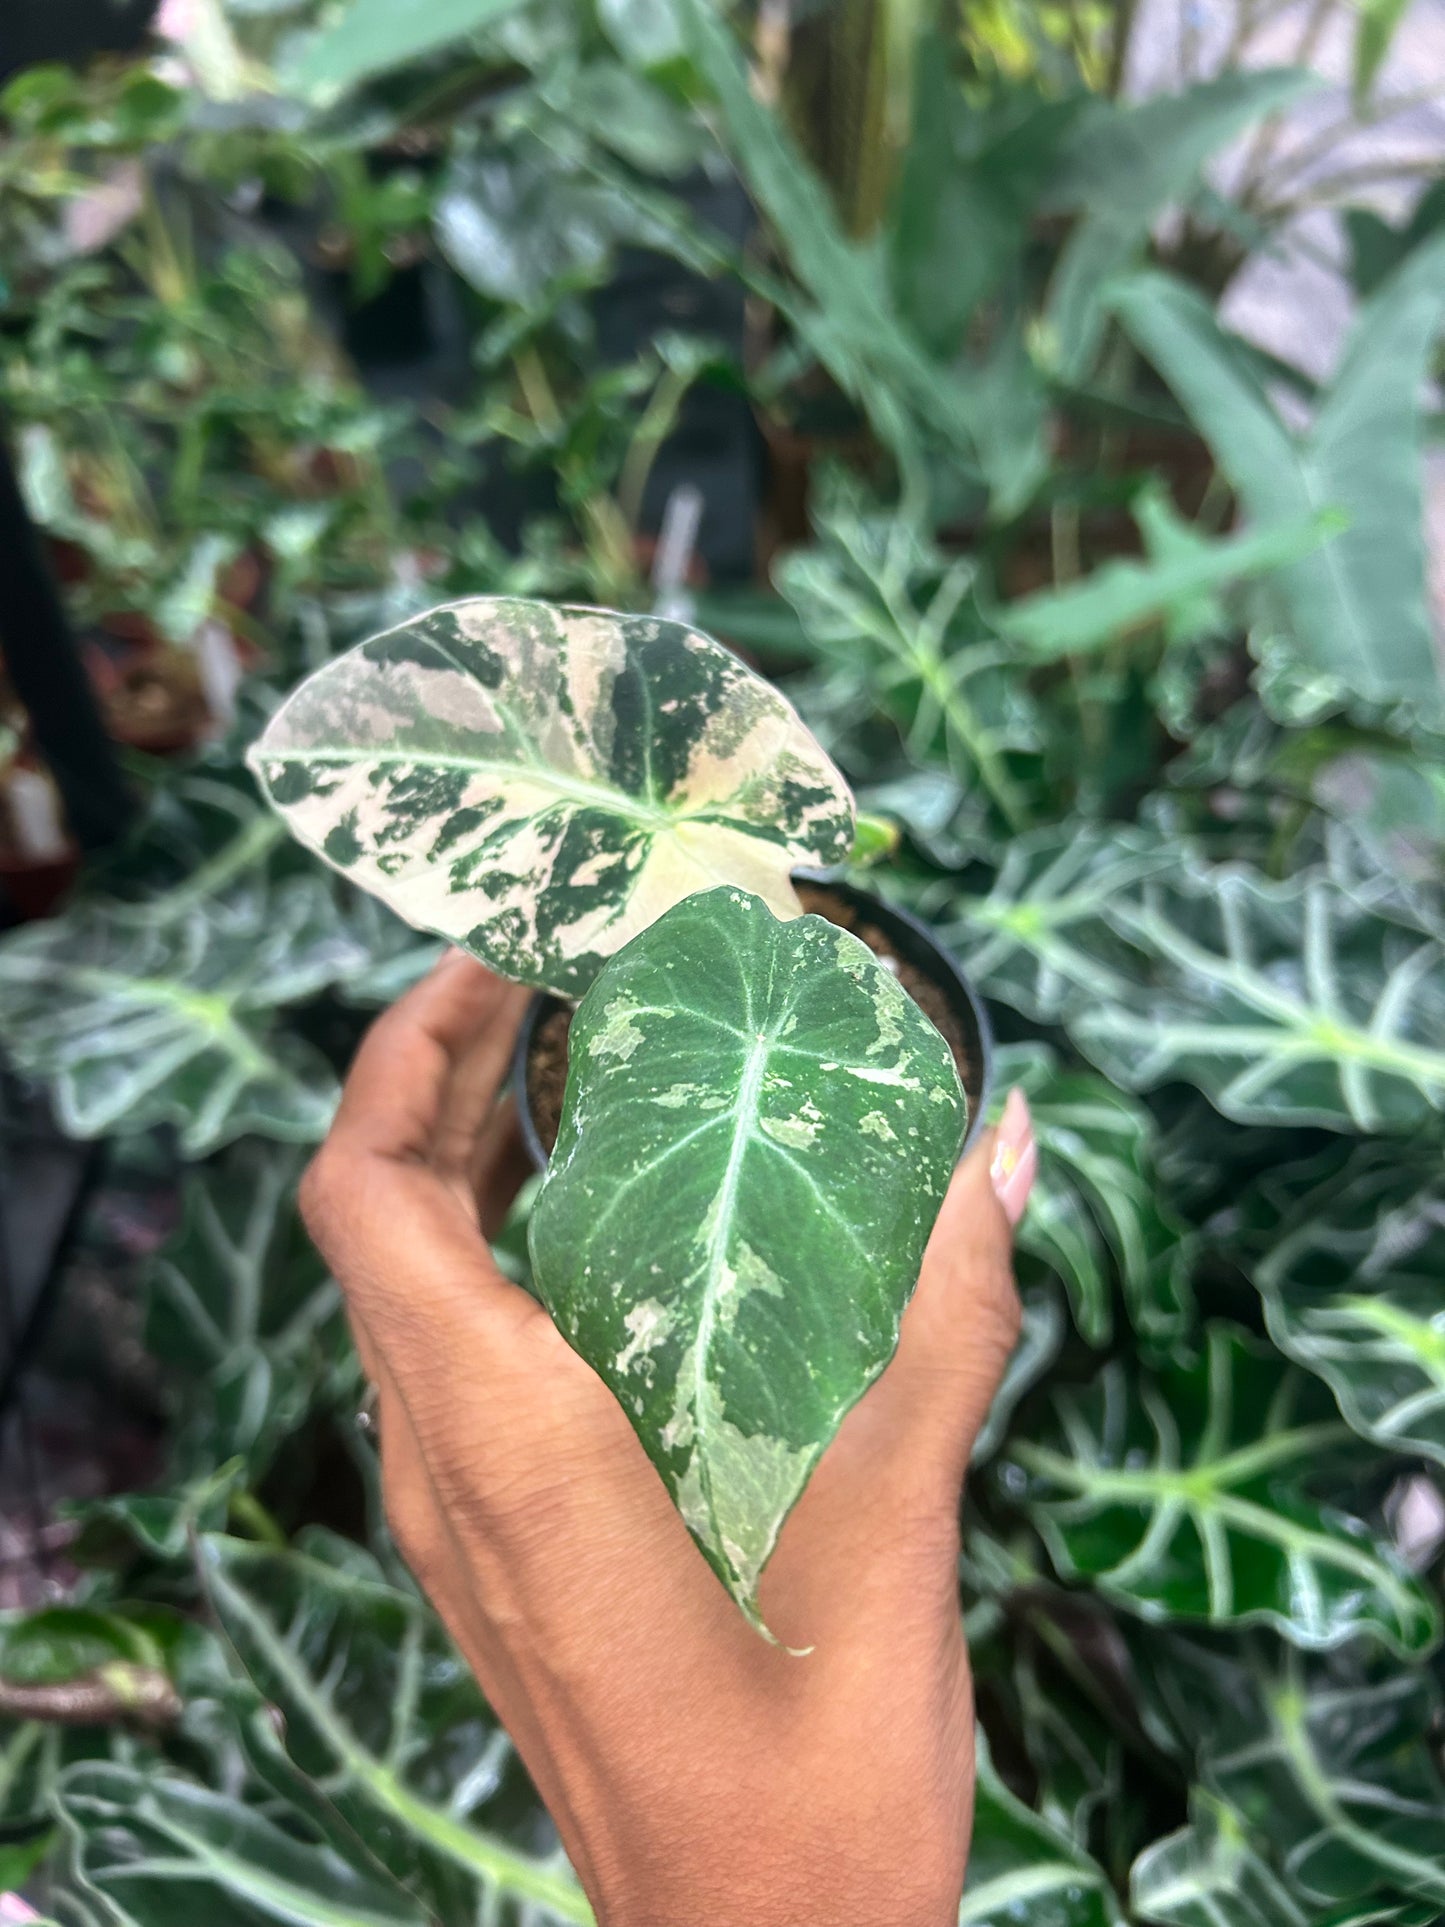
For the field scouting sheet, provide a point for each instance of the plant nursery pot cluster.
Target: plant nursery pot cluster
(931, 976)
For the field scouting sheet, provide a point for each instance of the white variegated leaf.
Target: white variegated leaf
(539, 784)
(758, 1130)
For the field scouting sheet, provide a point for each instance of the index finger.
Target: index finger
(458, 1017)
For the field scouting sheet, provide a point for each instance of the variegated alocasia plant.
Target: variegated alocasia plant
(759, 1122)
(539, 784)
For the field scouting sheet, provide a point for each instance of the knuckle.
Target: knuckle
(317, 1195)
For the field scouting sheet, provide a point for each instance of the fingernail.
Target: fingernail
(1015, 1157)
(13, 1910)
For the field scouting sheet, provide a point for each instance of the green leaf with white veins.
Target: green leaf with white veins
(1217, 1491)
(385, 1737)
(1351, 1290)
(1210, 1874)
(240, 1309)
(1023, 1871)
(540, 784)
(758, 1130)
(134, 1018)
(164, 1852)
(1096, 1207)
(1326, 1759)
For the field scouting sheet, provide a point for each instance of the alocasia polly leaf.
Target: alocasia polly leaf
(160, 1851)
(1095, 1211)
(1327, 1760)
(1284, 1002)
(134, 1018)
(240, 1305)
(1039, 939)
(1352, 1290)
(385, 1724)
(1287, 1003)
(1210, 1874)
(896, 620)
(539, 784)
(1215, 1492)
(1025, 1872)
(758, 1130)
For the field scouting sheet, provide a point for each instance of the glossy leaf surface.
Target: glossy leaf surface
(134, 1019)
(160, 1851)
(1095, 1214)
(1288, 1003)
(384, 1723)
(1025, 1872)
(1213, 1492)
(1325, 1759)
(729, 1231)
(539, 784)
(1353, 1290)
(240, 1305)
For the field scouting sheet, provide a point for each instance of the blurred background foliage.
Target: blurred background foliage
(900, 343)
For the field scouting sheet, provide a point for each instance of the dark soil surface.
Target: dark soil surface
(547, 1062)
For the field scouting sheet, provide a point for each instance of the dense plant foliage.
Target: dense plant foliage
(1140, 668)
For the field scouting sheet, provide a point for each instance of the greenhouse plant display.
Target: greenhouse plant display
(1119, 623)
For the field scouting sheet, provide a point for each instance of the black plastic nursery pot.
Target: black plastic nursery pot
(932, 976)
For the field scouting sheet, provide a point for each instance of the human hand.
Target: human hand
(699, 1776)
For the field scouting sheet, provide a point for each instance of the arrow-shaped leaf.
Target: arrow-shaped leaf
(1288, 1003)
(1357, 608)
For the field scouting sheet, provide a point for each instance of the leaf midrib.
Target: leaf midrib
(745, 1119)
(578, 789)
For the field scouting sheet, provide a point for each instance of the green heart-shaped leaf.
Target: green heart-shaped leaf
(539, 784)
(758, 1130)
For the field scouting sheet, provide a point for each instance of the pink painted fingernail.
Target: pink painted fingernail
(1015, 1157)
(13, 1910)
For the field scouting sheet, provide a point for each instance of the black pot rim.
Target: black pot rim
(914, 942)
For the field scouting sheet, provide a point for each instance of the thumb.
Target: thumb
(963, 1320)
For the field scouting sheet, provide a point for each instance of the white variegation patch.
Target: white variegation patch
(729, 1232)
(540, 784)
